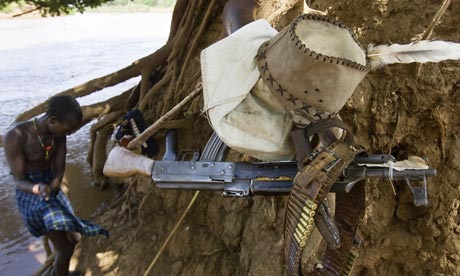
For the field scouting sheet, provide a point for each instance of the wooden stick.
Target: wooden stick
(139, 140)
(429, 31)
(171, 234)
(29, 11)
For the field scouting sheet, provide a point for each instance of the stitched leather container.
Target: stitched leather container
(313, 66)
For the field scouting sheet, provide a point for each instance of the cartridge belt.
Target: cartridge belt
(310, 187)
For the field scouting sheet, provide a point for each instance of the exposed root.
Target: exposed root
(107, 120)
(149, 95)
(177, 18)
(139, 212)
(91, 112)
(86, 89)
(100, 155)
(429, 30)
(440, 115)
(134, 70)
(47, 265)
(194, 44)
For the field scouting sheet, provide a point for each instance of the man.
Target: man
(35, 151)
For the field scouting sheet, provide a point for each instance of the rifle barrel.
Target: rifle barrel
(387, 173)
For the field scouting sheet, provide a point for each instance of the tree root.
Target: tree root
(100, 155)
(194, 44)
(177, 17)
(47, 265)
(107, 120)
(148, 97)
(429, 30)
(91, 112)
(85, 89)
(139, 212)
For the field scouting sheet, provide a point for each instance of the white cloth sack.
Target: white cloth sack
(240, 107)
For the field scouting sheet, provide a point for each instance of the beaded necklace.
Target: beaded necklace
(46, 148)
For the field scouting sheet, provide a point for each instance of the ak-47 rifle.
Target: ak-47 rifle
(243, 179)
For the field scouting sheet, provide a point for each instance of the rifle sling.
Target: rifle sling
(310, 187)
(324, 127)
(350, 207)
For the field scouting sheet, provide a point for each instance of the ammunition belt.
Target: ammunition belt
(310, 188)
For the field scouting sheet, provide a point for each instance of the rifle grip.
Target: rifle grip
(171, 145)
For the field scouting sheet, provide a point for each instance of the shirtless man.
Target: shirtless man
(35, 151)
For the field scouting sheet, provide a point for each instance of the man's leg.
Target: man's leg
(73, 237)
(64, 250)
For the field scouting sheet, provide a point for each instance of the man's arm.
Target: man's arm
(13, 143)
(59, 164)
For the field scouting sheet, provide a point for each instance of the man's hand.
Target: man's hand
(44, 190)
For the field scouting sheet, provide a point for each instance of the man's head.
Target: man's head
(64, 115)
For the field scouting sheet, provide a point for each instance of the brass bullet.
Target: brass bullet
(309, 212)
(301, 227)
(299, 233)
(307, 218)
(297, 237)
(303, 243)
(312, 205)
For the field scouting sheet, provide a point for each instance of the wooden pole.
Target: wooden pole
(139, 140)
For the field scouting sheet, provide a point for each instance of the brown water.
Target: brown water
(40, 57)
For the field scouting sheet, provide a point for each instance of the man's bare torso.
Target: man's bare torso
(33, 151)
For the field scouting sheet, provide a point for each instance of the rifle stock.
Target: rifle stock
(125, 163)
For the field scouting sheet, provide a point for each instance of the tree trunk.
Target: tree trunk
(391, 111)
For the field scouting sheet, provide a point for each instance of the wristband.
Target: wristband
(36, 189)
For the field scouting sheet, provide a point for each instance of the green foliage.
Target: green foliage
(150, 3)
(58, 7)
(54, 7)
(9, 7)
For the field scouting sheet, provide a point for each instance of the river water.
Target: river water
(40, 57)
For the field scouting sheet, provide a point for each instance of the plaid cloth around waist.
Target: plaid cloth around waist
(56, 214)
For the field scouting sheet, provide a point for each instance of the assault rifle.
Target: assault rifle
(242, 179)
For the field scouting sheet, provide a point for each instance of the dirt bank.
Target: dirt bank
(391, 111)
